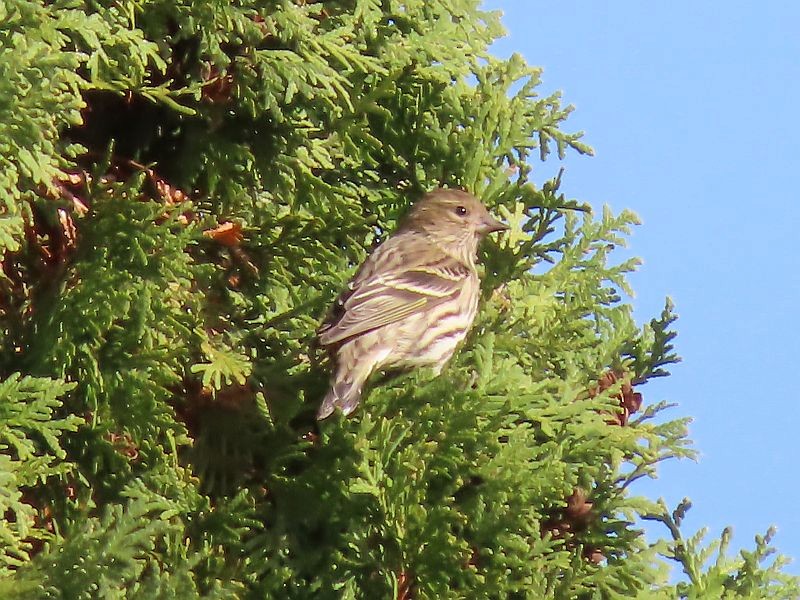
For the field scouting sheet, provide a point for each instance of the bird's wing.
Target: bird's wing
(390, 287)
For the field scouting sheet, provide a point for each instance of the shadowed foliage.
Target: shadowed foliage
(185, 186)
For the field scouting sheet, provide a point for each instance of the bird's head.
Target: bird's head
(452, 217)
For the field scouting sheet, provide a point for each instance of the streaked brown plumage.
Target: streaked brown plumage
(412, 301)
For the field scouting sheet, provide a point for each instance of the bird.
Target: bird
(412, 301)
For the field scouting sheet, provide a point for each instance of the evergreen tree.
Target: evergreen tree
(185, 186)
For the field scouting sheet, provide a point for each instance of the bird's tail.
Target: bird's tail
(344, 395)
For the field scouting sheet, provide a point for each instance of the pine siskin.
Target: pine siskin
(412, 301)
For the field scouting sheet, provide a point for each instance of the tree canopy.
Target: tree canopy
(185, 185)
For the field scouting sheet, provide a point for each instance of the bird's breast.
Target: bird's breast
(431, 337)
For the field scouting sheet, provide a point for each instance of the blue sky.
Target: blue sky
(692, 109)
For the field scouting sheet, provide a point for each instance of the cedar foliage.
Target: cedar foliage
(185, 186)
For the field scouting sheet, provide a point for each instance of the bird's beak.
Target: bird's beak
(490, 225)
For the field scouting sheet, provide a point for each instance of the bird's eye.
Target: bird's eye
(461, 211)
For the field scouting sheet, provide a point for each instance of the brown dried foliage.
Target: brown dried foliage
(570, 521)
(630, 401)
(404, 586)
